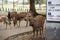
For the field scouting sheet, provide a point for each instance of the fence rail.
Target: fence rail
(17, 9)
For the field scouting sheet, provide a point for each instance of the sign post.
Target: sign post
(53, 20)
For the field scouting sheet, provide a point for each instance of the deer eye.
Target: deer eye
(21, 17)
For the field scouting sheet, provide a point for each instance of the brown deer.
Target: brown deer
(5, 20)
(37, 23)
(19, 17)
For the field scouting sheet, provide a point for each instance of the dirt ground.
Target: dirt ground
(27, 36)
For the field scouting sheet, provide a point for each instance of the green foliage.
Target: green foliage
(40, 1)
(37, 1)
(6, 1)
(44, 1)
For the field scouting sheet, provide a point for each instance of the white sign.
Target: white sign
(53, 10)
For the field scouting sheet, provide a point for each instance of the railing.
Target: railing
(17, 9)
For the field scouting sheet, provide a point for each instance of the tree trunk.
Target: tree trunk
(32, 7)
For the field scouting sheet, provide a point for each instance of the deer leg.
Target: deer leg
(36, 33)
(33, 33)
(10, 26)
(6, 25)
(40, 32)
(26, 23)
(19, 23)
(14, 23)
